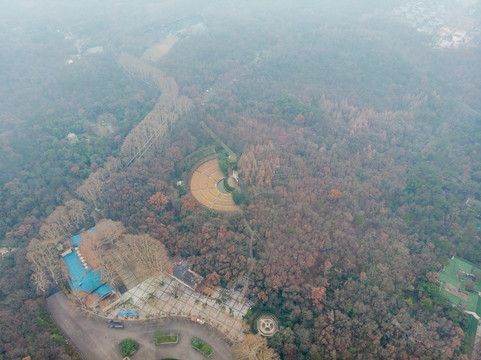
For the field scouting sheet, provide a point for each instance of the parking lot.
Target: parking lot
(94, 340)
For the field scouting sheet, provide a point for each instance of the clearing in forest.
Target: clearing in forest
(461, 284)
(204, 187)
(158, 50)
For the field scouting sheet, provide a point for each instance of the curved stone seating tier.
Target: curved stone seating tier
(203, 186)
(204, 182)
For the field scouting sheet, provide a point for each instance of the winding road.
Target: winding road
(95, 341)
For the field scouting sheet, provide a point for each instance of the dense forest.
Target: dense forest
(359, 145)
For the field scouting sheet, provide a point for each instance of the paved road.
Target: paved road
(94, 340)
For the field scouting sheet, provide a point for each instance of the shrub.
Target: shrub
(227, 186)
(202, 347)
(182, 190)
(224, 163)
(359, 219)
(238, 197)
(128, 346)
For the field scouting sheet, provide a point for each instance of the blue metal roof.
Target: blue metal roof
(81, 278)
(128, 313)
(75, 240)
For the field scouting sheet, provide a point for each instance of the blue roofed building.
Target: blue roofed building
(84, 274)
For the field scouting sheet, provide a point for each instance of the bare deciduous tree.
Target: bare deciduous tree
(108, 231)
(76, 211)
(254, 347)
(149, 253)
(45, 264)
(93, 186)
(56, 225)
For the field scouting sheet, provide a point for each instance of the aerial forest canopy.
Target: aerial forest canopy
(357, 139)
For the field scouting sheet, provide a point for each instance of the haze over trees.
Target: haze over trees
(358, 148)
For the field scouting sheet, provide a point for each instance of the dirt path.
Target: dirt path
(251, 258)
(251, 255)
(94, 340)
(232, 155)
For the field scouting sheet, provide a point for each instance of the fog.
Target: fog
(347, 38)
(355, 127)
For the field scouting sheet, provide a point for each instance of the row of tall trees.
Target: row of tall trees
(40, 169)
(65, 219)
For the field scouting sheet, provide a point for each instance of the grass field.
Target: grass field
(160, 337)
(460, 283)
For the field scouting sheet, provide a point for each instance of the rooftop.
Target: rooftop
(81, 274)
(180, 270)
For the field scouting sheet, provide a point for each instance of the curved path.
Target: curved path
(94, 340)
(203, 185)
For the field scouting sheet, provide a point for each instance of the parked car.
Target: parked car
(115, 324)
(197, 320)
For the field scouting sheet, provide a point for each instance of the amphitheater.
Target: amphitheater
(205, 189)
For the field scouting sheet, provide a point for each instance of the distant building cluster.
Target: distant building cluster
(451, 38)
(450, 28)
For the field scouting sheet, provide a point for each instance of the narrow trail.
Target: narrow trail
(251, 256)
(213, 135)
